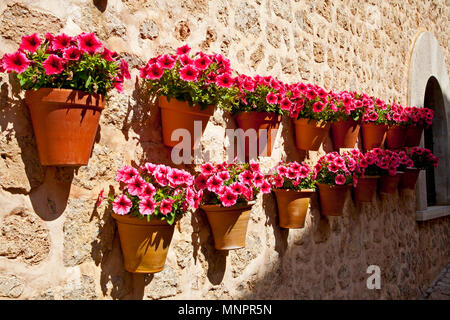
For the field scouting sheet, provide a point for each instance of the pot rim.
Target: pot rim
(208, 111)
(133, 220)
(318, 123)
(218, 207)
(335, 186)
(290, 190)
(251, 114)
(30, 93)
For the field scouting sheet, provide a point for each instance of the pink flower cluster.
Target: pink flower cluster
(290, 175)
(422, 158)
(335, 169)
(190, 69)
(419, 116)
(378, 161)
(231, 183)
(60, 50)
(156, 189)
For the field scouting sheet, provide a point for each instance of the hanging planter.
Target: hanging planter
(413, 135)
(389, 183)
(65, 80)
(365, 188)
(257, 121)
(149, 203)
(144, 244)
(310, 134)
(332, 199)
(344, 133)
(228, 224)
(408, 180)
(373, 135)
(65, 123)
(292, 207)
(396, 136)
(177, 114)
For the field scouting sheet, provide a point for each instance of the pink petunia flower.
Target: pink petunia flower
(166, 206)
(72, 53)
(224, 80)
(147, 206)
(183, 50)
(61, 42)
(185, 60)
(202, 63)
(89, 43)
(30, 43)
(109, 55)
(53, 65)
(318, 106)
(265, 187)
(123, 69)
(122, 205)
(271, 98)
(214, 183)
(189, 73)
(100, 197)
(339, 179)
(200, 182)
(154, 72)
(16, 62)
(136, 185)
(148, 191)
(246, 177)
(224, 175)
(228, 198)
(207, 169)
(285, 104)
(166, 62)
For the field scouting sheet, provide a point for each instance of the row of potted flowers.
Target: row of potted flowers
(67, 78)
(153, 197)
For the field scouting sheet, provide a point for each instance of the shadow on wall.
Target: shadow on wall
(48, 187)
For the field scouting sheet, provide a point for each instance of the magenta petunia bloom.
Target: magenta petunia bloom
(339, 179)
(246, 177)
(89, 43)
(136, 185)
(118, 84)
(53, 65)
(285, 104)
(265, 187)
(147, 206)
(109, 55)
(148, 191)
(123, 70)
(228, 198)
(214, 183)
(16, 62)
(61, 41)
(202, 63)
(224, 80)
(154, 72)
(72, 53)
(207, 169)
(189, 73)
(166, 62)
(271, 98)
(122, 205)
(373, 116)
(166, 206)
(185, 60)
(318, 106)
(30, 43)
(183, 50)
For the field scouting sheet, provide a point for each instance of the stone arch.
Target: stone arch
(428, 85)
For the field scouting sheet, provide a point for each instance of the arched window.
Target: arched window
(428, 86)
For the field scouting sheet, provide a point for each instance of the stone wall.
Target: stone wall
(54, 243)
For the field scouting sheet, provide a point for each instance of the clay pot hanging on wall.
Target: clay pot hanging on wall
(144, 244)
(344, 133)
(365, 188)
(373, 135)
(413, 136)
(292, 207)
(310, 134)
(409, 178)
(228, 225)
(388, 183)
(257, 121)
(332, 199)
(396, 137)
(177, 114)
(65, 123)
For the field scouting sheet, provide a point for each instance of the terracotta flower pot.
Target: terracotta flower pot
(332, 199)
(396, 137)
(228, 225)
(373, 135)
(413, 136)
(144, 244)
(65, 123)
(292, 207)
(179, 115)
(344, 133)
(388, 183)
(409, 178)
(365, 188)
(309, 136)
(259, 121)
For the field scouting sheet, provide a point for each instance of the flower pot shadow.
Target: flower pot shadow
(106, 252)
(288, 137)
(281, 234)
(47, 187)
(203, 242)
